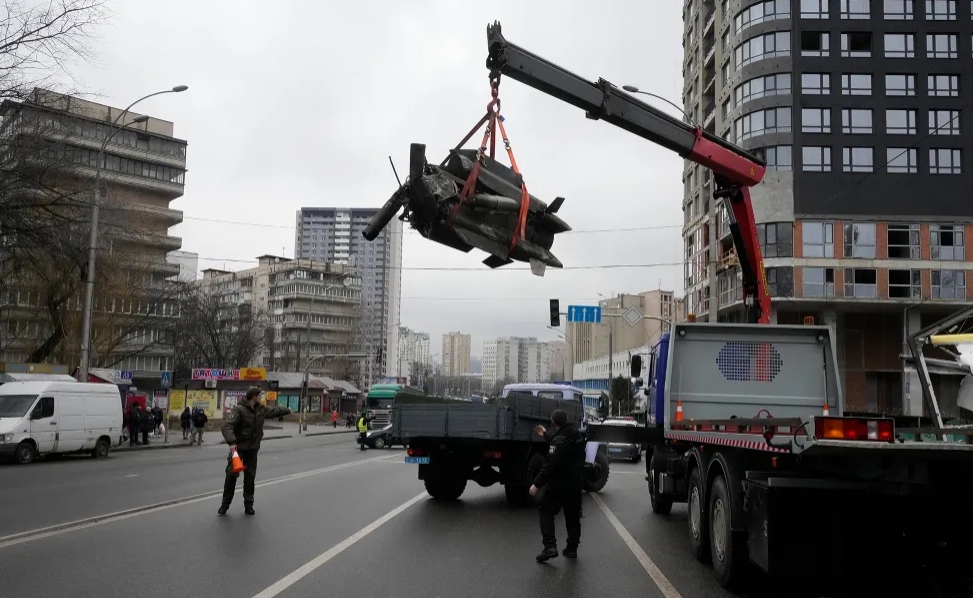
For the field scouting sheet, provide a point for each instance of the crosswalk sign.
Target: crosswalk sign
(166, 379)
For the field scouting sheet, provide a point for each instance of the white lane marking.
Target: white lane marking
(334, 551)
(80, 524)
(668, 590)
(132, 475)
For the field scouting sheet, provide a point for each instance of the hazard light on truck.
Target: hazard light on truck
(846, 428)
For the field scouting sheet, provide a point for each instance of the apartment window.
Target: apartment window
(854, 84)
(860, 240)
(815, 120)
(780, 281)
(945, 161)
(903, 241)
(899, 10)
(763, 122)
(857, 44)
(900, 122)
(861, 283)
(900, 45)
(815, 84)
(779, 157)
(776, 239)
(856, 121)
(900, 85)
(764, 11)
(814, 9)
(857, 159)
(905, 284)
(763, 46)
(949, 284)
(855, 9)
(941, 45)
(770, 85)
(815, 43)
(726, 40)
(726, 109)
(818, 239)
(943, 86)
(940, 10)
(816, 159)
(902, 160)
(818, 282)
(944, 122)
(946, 242)
(726, 72)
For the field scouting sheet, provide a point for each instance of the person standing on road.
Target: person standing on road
(363, 420)
(561, 479)
(185, 420)
(134, 424)
(146, 424)
(157, 420)
(243, 429)
(334, 418)
(199, 426)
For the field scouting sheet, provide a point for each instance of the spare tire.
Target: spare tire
(596, 477)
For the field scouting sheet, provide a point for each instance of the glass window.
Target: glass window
(900, 122)
(779, 157)
(903, 241)
(902, 160)
(816, 159)
(943, 85)
(945, 161)
(854, 84)
(946, 242)
(763, 122)
(780, 281)
(940, 10)
(776, 239)
(855, 9)
(857, 44)
(860, 240)
(857, 159)
(818, 282)
(905, 284)
(818, 239)
(900, 45)
(815, 120)
(815, 43)
(815, 83)
(764, 11)
(763, 46)
(856, 121)
(941, 45)
(759, 87)
(814, 9)
(949, 284)
(861, 283)
(944, 122)
(899, 10)
(900, 85)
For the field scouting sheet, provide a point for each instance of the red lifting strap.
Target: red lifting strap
(493, 120)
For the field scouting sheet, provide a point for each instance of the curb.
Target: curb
(156, 447)
(329, 433)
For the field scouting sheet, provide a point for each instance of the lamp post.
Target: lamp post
(89, 285)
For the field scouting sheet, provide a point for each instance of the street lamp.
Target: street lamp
(89, 285)
(633, 89)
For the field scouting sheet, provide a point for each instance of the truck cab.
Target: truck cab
(378, 402)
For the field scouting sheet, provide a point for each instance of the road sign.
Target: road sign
(124, 375)
(589, 314)
(166, 379)
(632, 317)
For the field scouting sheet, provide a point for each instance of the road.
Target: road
(331, 520)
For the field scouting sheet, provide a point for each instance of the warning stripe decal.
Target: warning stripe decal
(760, 445)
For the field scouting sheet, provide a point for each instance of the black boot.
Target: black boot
(248, 509)
(571, 552)
(222, 510)
(547, 554)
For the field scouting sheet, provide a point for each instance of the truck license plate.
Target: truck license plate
(419, 460)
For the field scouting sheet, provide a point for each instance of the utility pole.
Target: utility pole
(611, 363)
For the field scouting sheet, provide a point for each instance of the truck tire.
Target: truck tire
(101, 449)
(518, 494)
(728, 550)
(445, 488)
(697, 517)
(596, 480)
(661, 503)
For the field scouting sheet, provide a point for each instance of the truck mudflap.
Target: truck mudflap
(625, 434)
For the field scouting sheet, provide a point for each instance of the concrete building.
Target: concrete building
(456, 354)
(335, 235)
(312, 308)
(143, 171)
(559, 363)
(515, 359)
(413, 348)
(188, 263)
(862, 216)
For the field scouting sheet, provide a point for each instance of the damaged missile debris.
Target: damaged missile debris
(473, 201)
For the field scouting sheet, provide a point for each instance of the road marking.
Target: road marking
(80, 524)
(132, 475)
(334, 551)
(668, 590)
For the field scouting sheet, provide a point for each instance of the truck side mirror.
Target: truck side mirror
(636, 366)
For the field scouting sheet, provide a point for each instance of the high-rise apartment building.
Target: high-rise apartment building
(515, 359)
(335, 235)
(863, 215)
(413, 349)
(456, 354)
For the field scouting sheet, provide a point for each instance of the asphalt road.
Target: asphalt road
(331, 520)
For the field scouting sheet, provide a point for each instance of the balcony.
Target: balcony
(167, 216)
(168, 189)
(148, 239)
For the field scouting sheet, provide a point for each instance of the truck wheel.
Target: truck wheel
(727, 550)
(445, 488)
(661, 503)
(698, 529)
(598, 476)
(26, 453)
(380, 443)
(518, 493)
(101, 450)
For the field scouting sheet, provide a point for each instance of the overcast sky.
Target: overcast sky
(299, 103)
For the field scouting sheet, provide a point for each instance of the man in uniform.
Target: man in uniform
(363, 420)
(561, 481)
(243, 429)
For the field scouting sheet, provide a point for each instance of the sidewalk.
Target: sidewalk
(274, 431)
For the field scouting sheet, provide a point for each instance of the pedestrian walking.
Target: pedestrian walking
(134, 424)
(199, 426)
(334, 418)
(146, 424)
(363, 420)
(560, 482)
(185, 421)
(243, 428)
(157, 419)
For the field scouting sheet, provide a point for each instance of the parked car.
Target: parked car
(382, 438)
(632, 452)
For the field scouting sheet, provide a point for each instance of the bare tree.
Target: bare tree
(214, 334)
(417, 372)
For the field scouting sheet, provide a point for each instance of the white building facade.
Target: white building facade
(413, 348)
(515, 359)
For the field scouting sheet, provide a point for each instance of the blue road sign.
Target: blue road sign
(124, 374)
(166, 378)
(590, 314)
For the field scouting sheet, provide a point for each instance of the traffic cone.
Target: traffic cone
(678, 411)
(236, 463)
(825, 413)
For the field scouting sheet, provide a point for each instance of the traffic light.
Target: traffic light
(555, 313)
(636, 366)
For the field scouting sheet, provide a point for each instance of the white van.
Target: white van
(43, 418)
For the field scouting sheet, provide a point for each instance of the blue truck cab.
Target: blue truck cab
(656, 390)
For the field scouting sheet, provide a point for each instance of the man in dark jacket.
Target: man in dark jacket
(147, 424)
(243, 429)
(561, 481)
(134, 424)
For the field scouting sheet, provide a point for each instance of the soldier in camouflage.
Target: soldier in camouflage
(243, 429)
